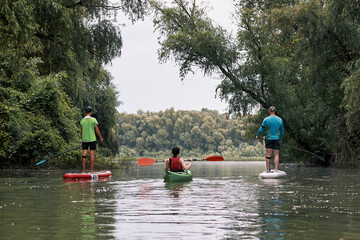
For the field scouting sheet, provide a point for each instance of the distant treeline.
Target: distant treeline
(197, 133)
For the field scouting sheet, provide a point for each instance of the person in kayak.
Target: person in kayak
(274, 127)
(88, 128)
(176, 163)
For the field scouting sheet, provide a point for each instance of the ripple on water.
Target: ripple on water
(225, 201)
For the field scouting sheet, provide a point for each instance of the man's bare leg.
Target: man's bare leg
(84, 153)
(276, 159)
(268, 158)
(92, 160)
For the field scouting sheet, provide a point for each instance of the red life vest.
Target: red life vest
(175, 164)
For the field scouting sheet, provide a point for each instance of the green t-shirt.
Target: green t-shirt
(88, 129)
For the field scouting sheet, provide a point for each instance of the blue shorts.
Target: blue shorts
(272, 144)
(86, 145)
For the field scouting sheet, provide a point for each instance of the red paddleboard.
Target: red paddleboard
(87, 175)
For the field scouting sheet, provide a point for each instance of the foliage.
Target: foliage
(197, 134)
(36, 122)
(51, 66)
(301, 56)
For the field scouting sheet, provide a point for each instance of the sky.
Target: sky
(147, 85)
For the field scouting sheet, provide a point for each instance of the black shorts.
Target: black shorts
(86, 145)
(272, 144)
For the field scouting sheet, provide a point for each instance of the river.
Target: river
(226, 200)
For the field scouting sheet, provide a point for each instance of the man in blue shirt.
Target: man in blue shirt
(274, 127)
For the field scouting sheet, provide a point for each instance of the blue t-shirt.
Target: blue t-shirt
(274, 127)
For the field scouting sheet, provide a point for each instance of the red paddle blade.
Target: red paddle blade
(146, 161)
(214, 158)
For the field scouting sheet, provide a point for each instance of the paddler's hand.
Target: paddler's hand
(190, 159)
(257, 137)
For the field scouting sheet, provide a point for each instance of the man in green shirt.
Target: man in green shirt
(88, 129)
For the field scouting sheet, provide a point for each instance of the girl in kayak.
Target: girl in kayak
(176, 163)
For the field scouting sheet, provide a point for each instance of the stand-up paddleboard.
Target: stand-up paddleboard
(87, 175)
(272, 174)
(88, 180)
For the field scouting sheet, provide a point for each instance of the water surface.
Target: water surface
(226, 200)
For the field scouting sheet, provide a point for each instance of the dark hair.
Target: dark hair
(272, 109)
(88, 110)
(175, 151)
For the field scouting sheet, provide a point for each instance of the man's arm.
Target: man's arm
(261, 129)
(281, 130)
(98, 133)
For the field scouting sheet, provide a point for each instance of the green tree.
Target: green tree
(133, 137)
(52, 55)
(301, 56)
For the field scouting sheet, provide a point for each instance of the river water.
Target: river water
(226, 200)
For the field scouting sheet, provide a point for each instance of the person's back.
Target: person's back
(88, 127)
(175, 164)
(274, 127)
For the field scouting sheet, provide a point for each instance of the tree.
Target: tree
(52, 55)
(133, 136)
(296, 55)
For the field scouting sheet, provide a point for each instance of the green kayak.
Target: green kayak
(178, 176)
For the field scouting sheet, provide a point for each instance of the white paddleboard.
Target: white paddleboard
(272, 174)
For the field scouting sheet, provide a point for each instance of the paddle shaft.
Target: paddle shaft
(184, 160)
(149, 161)
(315, 155)
(55, 155)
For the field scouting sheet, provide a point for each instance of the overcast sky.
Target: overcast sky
(146, 84)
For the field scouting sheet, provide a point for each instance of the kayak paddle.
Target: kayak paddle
(38, 163)
(146, 161)
(149, 161)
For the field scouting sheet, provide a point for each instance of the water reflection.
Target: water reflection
(175, 188)
(271, 209)
(86, 205)
(144, 190)
(83, 192)
(224, 201)
(78, 181)
(87, 211)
